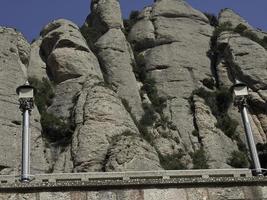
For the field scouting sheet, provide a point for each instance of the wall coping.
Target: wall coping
(163, 178)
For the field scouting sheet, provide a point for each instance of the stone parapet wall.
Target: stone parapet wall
(153, 193)
(139, 188)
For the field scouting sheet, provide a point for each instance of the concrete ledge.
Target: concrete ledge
(162, 174)
(180, 178)
(135, 183)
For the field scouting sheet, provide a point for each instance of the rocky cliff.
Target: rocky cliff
(147, 93)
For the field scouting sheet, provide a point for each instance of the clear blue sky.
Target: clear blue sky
(29, 16)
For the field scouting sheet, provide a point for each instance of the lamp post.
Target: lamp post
(26, 104)
(240, 100)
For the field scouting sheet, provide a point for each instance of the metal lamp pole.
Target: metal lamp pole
(25, 93)
(241, 93)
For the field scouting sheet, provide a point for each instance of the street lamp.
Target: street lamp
(26, 104)
(240, 100)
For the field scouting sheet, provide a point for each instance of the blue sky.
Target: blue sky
(29, 16)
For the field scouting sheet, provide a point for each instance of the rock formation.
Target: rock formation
(148, 93)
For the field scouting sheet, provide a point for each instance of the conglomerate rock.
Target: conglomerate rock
(172, 52)
(86, 110)
(149, 93)
(246, 60)
(216, 144)
(14, 55)
(99, 116)
(114, 53)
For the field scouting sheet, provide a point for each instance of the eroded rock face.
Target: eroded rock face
(131, 153)
(68, 61)
(245, 60)
(100, 117)
(172, 52)
(152, 98)
(37, 66)
(228, 15)
(216, 144)
(115, 54)
(14, 50)
(88, 107)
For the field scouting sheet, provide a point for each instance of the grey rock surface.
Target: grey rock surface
(216, 144)
(245, 60)
(115, 58)
(131, 153)
(100, 117)
(106, 14)
(14, 51)
(127, 98)
(37, 66)
(69, 61)
(174, 57)
(115, 54)
(228, 15)
(83, 99)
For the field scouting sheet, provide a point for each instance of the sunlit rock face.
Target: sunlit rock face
(147, 93)
(14, 58)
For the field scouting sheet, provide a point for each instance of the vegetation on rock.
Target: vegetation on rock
(212, 19)
(262, 151)
(219, 102)
(172, 162)
(128, 23)
(44, 93)
(54, 128)
(238, 159)
(200, 160)
(240, 29)
(245, 32)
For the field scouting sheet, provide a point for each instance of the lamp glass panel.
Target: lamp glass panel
(241, 91)
(26, 93)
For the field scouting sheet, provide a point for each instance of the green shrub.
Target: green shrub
(249, 34)
(55, 128)
(147, 121)
(262, 152)
(227, 125)
(245, 32)
(159, 103)
(209, 97)
(242, 146)
(264, 39)
(223, 99)
(128, 23)
(149, 116)
(264, 42)
(44, 93)
(172, 162)
(226, 26)
(219, 102)
(134, 14)
(209, 83)
(212, 19)
(238, 159)
(200, 160)
(240, 28)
